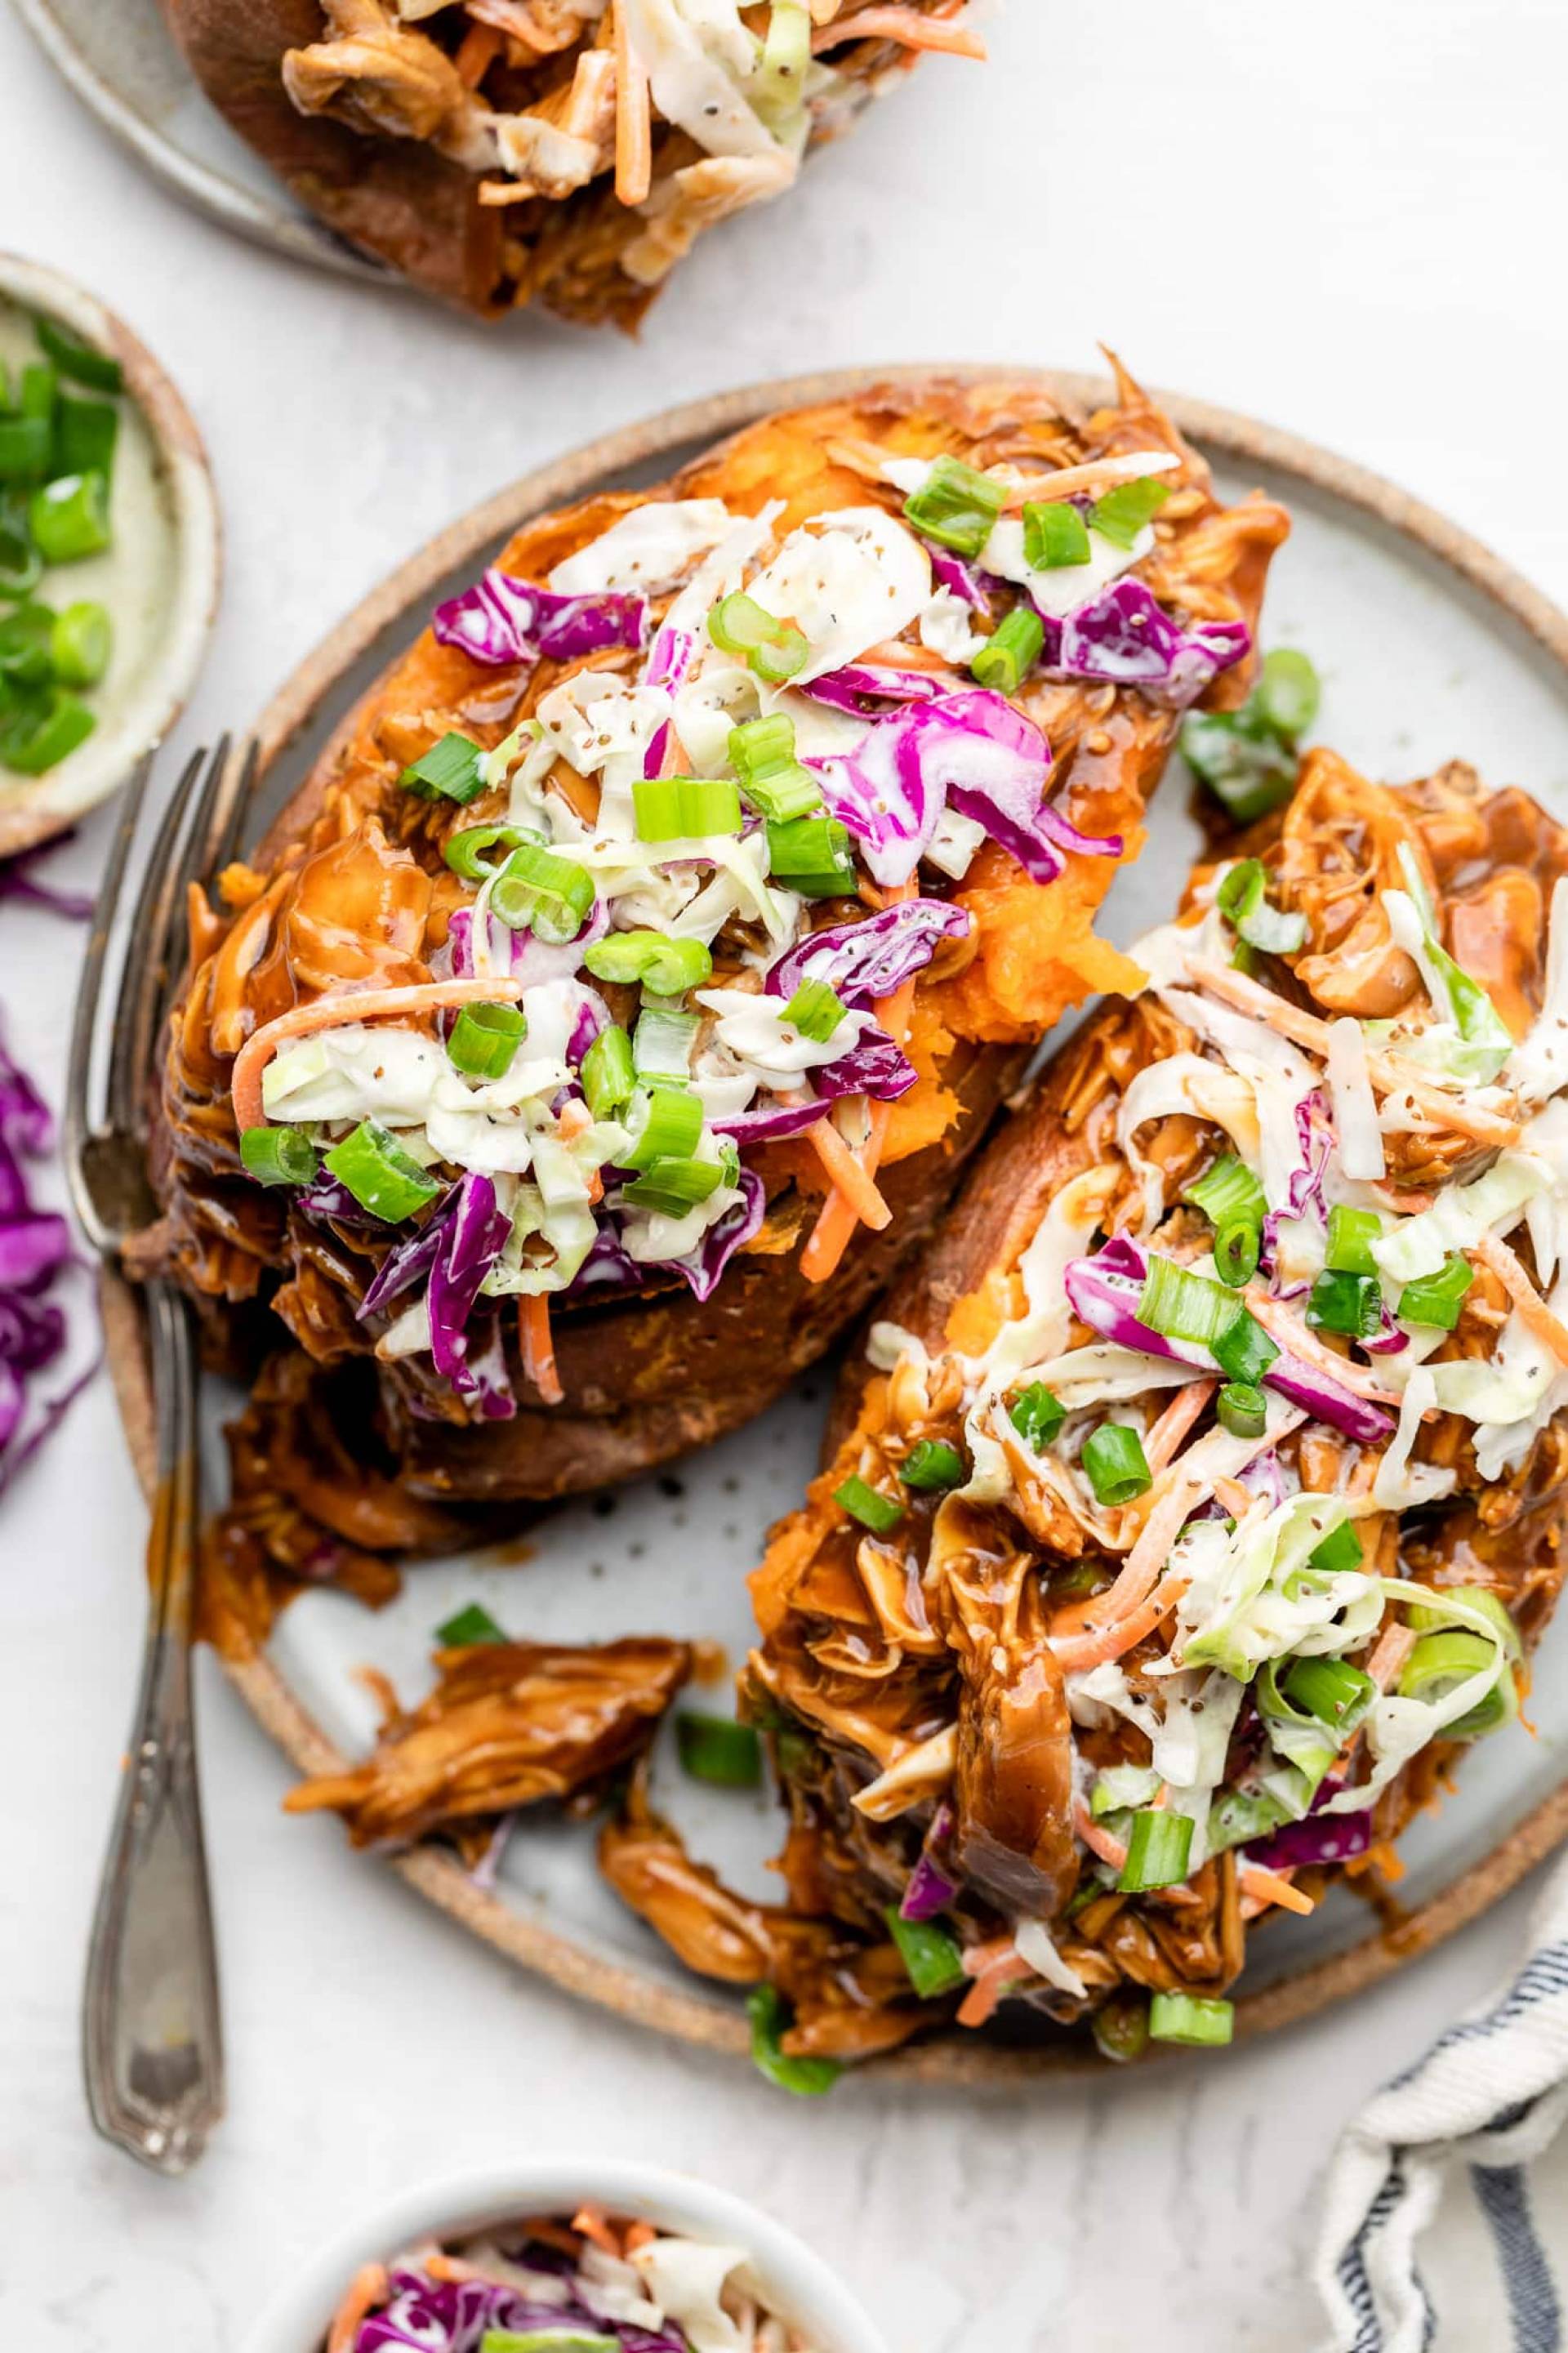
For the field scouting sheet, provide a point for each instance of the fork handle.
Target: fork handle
(152, 2030)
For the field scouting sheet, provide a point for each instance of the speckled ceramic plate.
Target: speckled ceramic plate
(1429, 649)
(121, 61)
(160, 578)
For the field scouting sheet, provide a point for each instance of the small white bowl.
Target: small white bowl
(800, 2287)
(162, 574)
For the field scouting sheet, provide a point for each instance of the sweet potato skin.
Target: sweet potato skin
(648, 1378)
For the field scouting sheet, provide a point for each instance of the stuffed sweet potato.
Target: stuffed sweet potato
(500, 153)
(612, 1010)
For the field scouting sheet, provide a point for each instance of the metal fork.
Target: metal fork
(152, 2030)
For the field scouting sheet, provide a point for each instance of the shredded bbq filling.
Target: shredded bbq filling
(671, 908)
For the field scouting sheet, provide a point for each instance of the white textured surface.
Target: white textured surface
(1377, 193)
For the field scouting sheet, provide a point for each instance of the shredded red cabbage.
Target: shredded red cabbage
(960, 579)
(35, 1248)
(473, 1232)
(866, 693)
(18, 881)
(1314, 1141)
(930, 1889)
(1124, 635)
(499, 619)
(426, 2316)
(875, 1065)
(1321, 1838)
(767, 1125)
(864, 961)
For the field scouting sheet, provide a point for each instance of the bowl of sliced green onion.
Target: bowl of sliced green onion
(109, 553)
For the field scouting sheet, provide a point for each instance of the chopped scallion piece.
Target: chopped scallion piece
(1243, 900)
(464, 850)
(1125, 510)
(449, 771)
(1436, 1299)
(762, 753)
(26, 646)
(1352, 1233)
(538, 890)
(956, 506)
(608, 1074)
(1243, 1350)
(663, 1123)
(383, 1178)
(86, 432)
(23, 449)
(1036, 1414)
(1054, 535)
(1115, 1465)
(43, 730)
(931, 1464)
(815, 1011)
(277, 1156)
(21, 565)
(1189, 2018)
(1158, 1844)
(485, 1038)
(673, 1186)
(681, 809)
(36, 393)
(1428, 1617)
(662, 1042)
(1232, 1197)
(811, 855)
(1180, 1305)
(69, 518)
(773, 649)
(1439, 1662)
(1010, 652)
(1242, 1408)
(716, 1748)
(1241, 760)
(931, 1956)
(1336, 1693)
(806, 2077)
(1350, 1304)
(1288, 693)
(1340, 1550)
(1121, 2028)
(78, 359)
(669, 967)
(468, 1627)
(878, 1513)
(80, 643)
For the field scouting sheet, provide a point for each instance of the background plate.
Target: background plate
(1429, 649)
(120, 59)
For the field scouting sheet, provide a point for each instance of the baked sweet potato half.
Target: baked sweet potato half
(500, 153)
(612, 1011)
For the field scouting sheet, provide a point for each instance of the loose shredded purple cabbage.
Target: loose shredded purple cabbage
(1124, 635)
(704, 1265)
(861, 962)
(500, 619)
(35, 1248)
(473, 1232)
(426, 2316)
(866, 692)
(875, 1065)
(930, 1889)
(1304, 1196)
(768, 1124)
(960, 579)
(1319, 1838)
(19, 881)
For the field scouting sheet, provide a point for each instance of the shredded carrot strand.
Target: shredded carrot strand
(1269, 1887)
(639, 2234)
(850, 1178)
(1495, 1254)
(992, 1967)
(840, 1213)
(1091, 1650)
(1165, 1436)
(334, 1012)
(954, 35)
(595, 2226)
(1392, 1647)
(475, 53)
(634, 120)
(1293, 1334)
(539, 1347)
(365, 2291)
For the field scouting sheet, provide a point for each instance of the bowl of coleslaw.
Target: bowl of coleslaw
(566, 2255)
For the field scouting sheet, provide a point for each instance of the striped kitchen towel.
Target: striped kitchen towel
(1466, 2133)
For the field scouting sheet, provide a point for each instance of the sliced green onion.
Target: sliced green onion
(878, 1513)
(69, 518)
(931, 1464)
(673, 1186)
(384, 1178)
(277, 1156)
(608, 1074)
(1437, 1298)
(669, 967)
(815, 1011)
(772, 649)
(680, 809)
(1350, 1304)
(1123, 512)
(468, 1627)
(1243, 1410)
(80, 643)
(37, 392)
(1428, 1617)
(807, 2078)
(1158, 1844)
(485, 1040)
(1117, 1467)
(85, 435)
(1439, 1662)
(1243, 900)
(1010, 652)
(956, 506)
(1054, 535)
(21, 565)
(464, 849)
(1180, 1305)
(811, 855)
(449, 771)
(931, 1956)
(1352, 1233)
(540, 892)
(1189, 2018)
(762, 753)
(716, 1748)
(562, 2340)
(663, 1123)
(26, 646)
(1239, 1816)
(1241, 760)
(1036, 1414)
(1232, 1197)
(1243, 1350)
(1336, 1693)
(1288, 693)
(79, 361)
(1340, 1550)
(38, 734)
(778, 91)
(1121, 2028)
(25, 444)
(662, 1042)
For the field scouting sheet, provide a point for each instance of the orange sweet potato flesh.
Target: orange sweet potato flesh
(350, 882)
